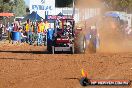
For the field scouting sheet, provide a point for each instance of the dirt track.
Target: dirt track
(24, 66)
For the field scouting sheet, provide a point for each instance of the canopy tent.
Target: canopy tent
(33, 17)
(6, 14)
(60, 14)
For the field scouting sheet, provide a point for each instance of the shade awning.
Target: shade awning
(6, 14)
(33, 17)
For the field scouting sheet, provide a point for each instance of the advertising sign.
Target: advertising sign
(42, 7)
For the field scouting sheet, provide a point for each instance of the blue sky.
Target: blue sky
(27, 2)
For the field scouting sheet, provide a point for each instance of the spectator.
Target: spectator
(1, 31)
(23, 37)
(15, 27)
(10, 29)
(39, 39)
(34, 31)
(46, 25)
(44, 32)
(31, 33)
(28, 29)
(50, 33)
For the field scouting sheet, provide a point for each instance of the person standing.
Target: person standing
(46, 25)
(10, 29)
(15, 28)
(45, 30)
(31, 34)
(28, 29)
(35, 28)
(1, 31)
(39, 39)
(23, 37)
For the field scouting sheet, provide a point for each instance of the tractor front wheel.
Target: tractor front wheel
(72, 49)
(53, 50)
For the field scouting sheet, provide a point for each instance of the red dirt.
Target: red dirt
(24, 66)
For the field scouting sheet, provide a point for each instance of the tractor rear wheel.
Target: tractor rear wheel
(80, 44)
(94, 45)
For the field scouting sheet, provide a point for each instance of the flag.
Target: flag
(84, 74)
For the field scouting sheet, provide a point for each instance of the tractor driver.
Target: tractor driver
(59, 25)
(69, 27)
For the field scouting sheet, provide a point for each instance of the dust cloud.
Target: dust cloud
(88, 3)
(112, 40)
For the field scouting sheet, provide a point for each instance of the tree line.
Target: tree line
(120, 5)
(17, 7)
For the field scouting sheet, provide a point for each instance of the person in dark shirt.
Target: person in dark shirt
(23, 37)
(10, 29)
(1, 32)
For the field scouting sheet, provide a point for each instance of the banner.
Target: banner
(42, 7)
